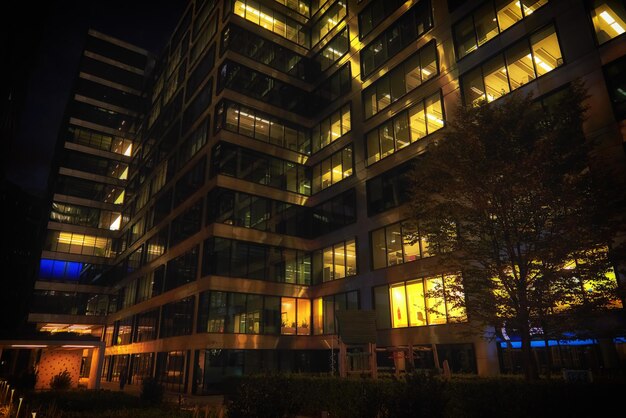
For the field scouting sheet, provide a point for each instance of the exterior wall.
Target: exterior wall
(179, 102)
(53, 362)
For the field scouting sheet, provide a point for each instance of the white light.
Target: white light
(426, 72)
(77, 346)
(29, 346)
(612, 23)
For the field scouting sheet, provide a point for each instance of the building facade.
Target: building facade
(258, 189)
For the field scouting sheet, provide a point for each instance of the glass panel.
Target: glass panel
(531, 5)
(288, 316)
(386, 139)
(328, 273)
(519, 65)
(398, 306)
(345, 119)
(485, 23)
(473, 87)
(350, 258)
(455, 313)
(546, 50)
(346, 161)
(411, 251)
(435, 302)
(394, 245)
(417, 122)
(340, 261)
(434, 113)
(337, 171)
(496, 80)
(401, 130)
(373, 152)
(509, 12)
(412, 72)
(428, 59)
(304, 317)
(379, 249)
(318, 316)
(416, 302)
(465, 37)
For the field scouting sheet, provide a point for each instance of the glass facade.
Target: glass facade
(488, 21)
(416, 303)
(403, 79)
(609, 19)
(413, 24)
(160, 206)
(405, 128)
(520, 64)
(397, 244)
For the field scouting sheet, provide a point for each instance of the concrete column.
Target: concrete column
(487, 357)
(95, 369)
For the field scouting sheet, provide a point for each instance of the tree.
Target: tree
(506, 197)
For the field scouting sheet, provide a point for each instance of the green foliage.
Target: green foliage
(417, 396)
(287, 396)
(61, 381)
(507, 198)
(86, 400)
(151, 391)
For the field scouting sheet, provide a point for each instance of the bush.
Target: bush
(151, 391)
(62, 381)
(86, 400)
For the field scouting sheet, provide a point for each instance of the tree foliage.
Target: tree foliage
(506, 197)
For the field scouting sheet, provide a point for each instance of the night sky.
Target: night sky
(49, 42)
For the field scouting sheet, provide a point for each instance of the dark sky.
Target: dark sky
(59, 31)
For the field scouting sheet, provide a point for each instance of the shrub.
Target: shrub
(151, 391)
(61, 381)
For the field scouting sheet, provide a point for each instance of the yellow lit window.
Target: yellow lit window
(350, 258)
(456, 307)
(417, 306)
(435, 304)
(546, 51)
(509, 13)
(417, 121)
(304, 317)
(318, 316)
(609, 19)
(398, 306)
(288, 316)
(496, 79)
(434, 113)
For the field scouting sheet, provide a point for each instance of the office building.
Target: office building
(217, 210)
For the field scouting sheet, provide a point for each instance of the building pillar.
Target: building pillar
(95, 369)
(486, 358)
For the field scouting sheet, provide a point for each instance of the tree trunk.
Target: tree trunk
(528, 362)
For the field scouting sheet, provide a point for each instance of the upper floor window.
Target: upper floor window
(609, 19)
(407, 29)
(376, 12)
(518, 65)
(489, 20)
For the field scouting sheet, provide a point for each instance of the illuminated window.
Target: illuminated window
(609, 19)
(271, 20)
(490, 20)
(405, 77)
(407, 126)
(393, 245)
(525, 61)
(335, 262)
(288, 320)
(332, 170)
(399, 316)
(418, 303)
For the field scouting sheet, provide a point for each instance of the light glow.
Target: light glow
(611, 22)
